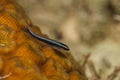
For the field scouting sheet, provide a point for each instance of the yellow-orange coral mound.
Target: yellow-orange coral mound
(22, 57)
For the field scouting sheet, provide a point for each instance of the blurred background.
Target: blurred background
(87, 26)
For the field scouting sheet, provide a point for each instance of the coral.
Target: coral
(23, 57)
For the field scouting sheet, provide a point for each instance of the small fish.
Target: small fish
(49, 41)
